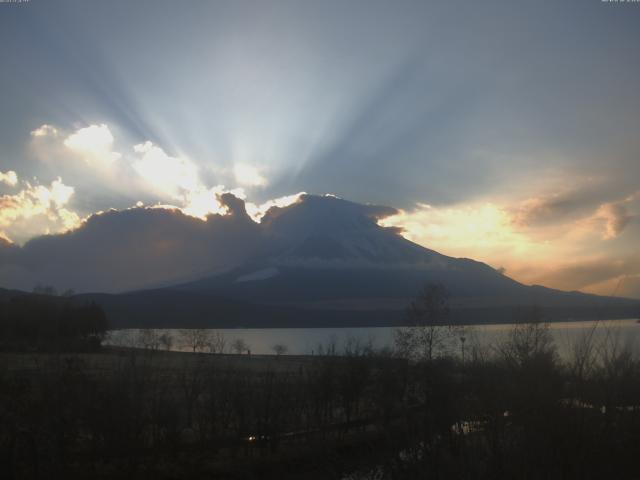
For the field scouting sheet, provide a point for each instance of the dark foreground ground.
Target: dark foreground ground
(514, 412)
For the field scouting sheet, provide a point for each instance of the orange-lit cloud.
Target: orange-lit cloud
(614, 216)
(543, 240)
(482, 231)
(37, 210)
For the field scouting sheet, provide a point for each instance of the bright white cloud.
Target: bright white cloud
(10, 178)
(248, 175)
(88, 155)
(37, 210)
(256, 212)
(94, 144)
(169, 176)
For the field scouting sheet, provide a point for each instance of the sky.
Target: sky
(503, 131)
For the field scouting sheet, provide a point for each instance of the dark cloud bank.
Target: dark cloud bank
(148, 247)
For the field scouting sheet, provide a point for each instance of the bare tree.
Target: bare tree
(148, 338)
(330, 348)
(429, 332)
(166, 340)
(239, 346)
(528, 340)
(217, 342)
(195, 339)
(280, 349)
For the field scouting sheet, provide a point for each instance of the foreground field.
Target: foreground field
(516, 412)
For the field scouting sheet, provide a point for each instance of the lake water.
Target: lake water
(307, 341)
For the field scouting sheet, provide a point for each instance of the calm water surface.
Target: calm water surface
(306, 341)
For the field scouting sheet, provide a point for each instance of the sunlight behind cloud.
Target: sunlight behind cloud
(533, 242)
(202, 202)
(256, 212)
(147, 169)
(484, 232)
(460, 228)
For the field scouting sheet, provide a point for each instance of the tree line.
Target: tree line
(46, 323)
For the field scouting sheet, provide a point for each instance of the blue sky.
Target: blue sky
(504, 131)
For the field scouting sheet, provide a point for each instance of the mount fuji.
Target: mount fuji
(324, 261)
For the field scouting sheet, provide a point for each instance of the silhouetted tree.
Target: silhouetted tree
(45, 290)
(166, 340)
(217, 342)
(149, 338)
(239, 346)
(195, 339)
(45, 323)
(428, 333)
(279, 349)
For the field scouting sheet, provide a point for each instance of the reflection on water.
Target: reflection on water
(307, 341)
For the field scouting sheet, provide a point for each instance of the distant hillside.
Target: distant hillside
(174, 309)
(8, 294)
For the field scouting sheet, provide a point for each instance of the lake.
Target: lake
(308, 341)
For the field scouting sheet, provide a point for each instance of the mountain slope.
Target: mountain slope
(329, 254)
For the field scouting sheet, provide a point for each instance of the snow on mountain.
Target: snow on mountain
(261, 274)
(324, 249)
(328, 231)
